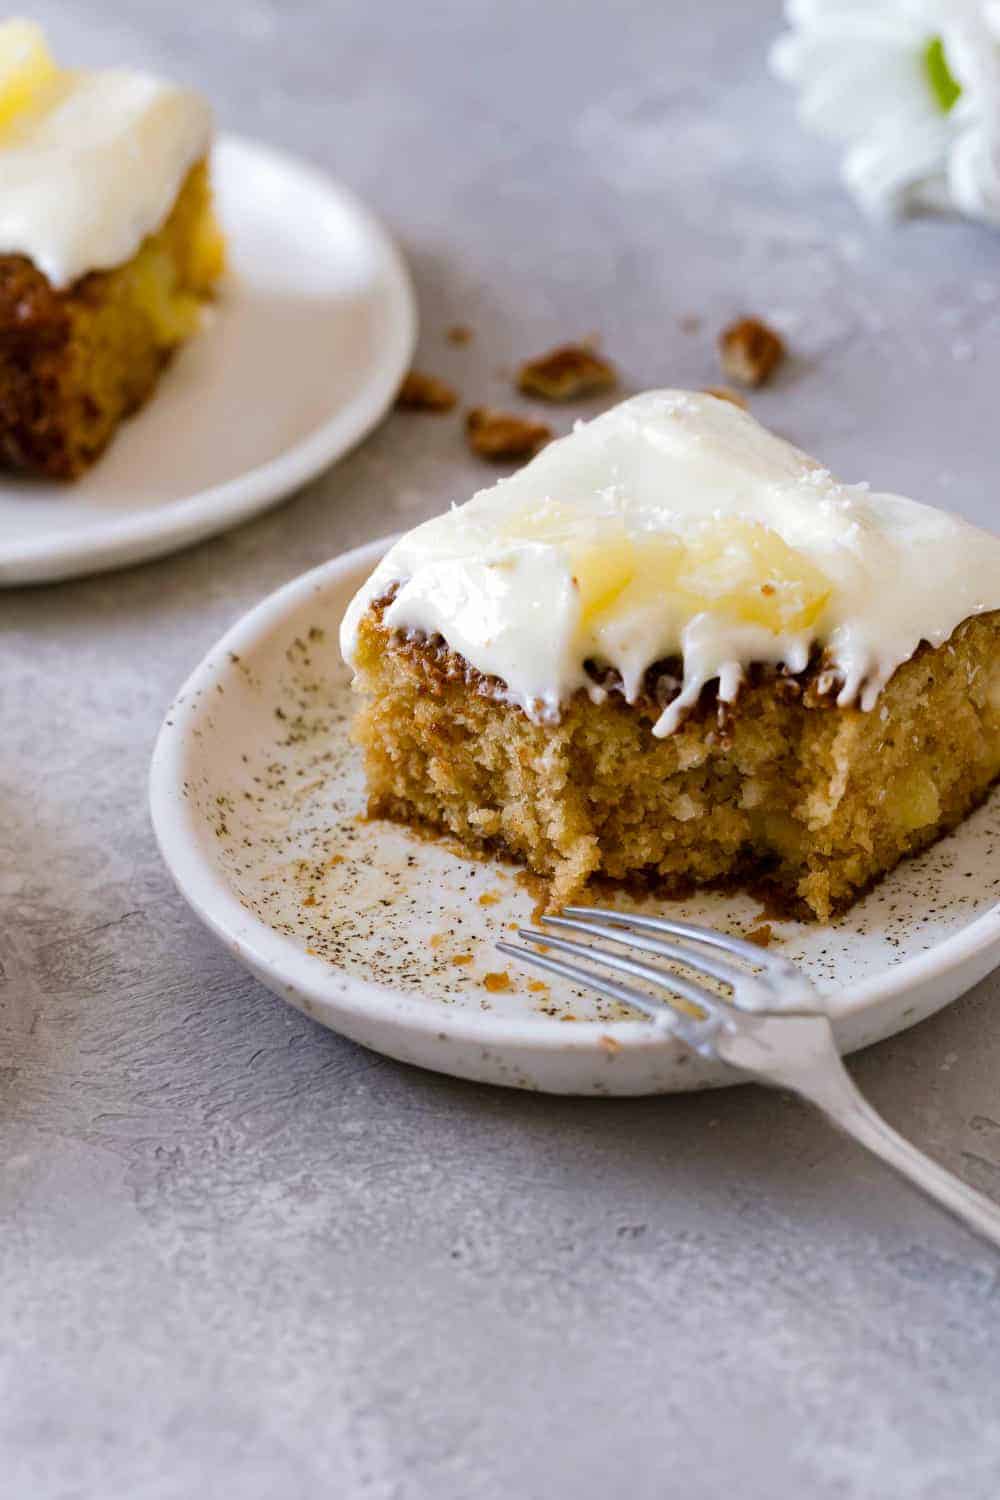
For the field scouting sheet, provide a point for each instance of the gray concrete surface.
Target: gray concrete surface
(240, 1257)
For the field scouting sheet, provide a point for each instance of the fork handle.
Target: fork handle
(818, 1075)
(852, 1113)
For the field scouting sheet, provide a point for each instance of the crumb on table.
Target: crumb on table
(761, 936)
(503, 434)
(422, 392)
(569, 373)
(750, 351)
(495, 982)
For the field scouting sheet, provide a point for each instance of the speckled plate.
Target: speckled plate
(257, 800)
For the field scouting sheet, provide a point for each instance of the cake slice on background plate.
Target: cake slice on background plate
(674, 648)
(108, 247)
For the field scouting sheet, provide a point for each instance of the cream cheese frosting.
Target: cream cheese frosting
(675, 525)
(93, 167)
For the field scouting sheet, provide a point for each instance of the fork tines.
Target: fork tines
(758, 957)
(695, 1030)
(685, 1007)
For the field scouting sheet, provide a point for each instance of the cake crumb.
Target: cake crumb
(539, 889)
(437, 938)
(538, 987)
(503, 434)
(570, 373)
(461, 958)
(723, 393)
(750, 351)
(422, 392)
(609, 1045)
(495, 982)
(459, 333)
(489, 898)
(762, 936)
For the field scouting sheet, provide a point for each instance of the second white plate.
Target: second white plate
(258, 800)
(300, 358)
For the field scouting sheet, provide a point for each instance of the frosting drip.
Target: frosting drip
(676, 525)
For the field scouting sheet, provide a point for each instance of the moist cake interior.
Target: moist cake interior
(785, 792)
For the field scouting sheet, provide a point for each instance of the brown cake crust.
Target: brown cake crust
(74, 363)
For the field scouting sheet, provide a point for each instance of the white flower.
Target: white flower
(911, 88)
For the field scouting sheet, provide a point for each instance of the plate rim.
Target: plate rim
(134, 538)
(299, 977)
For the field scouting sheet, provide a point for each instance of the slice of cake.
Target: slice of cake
(673, 647)
(108, 248)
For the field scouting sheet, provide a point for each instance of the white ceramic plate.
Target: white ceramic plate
(312, 333)
(257, 802)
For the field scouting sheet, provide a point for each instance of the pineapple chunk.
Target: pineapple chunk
(914, 801)
(747, 571)
(173, 313)
(740, 569)
(602, 574)
(207, 259)
(26, 68)
(653, 566)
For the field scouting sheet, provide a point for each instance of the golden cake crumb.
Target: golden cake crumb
(422, 392)
(496, 982)
(750, 351)
(761, 936)
(503, 435)
(570, 373)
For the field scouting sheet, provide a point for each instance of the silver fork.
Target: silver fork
(770, 1026)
